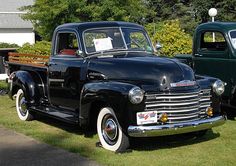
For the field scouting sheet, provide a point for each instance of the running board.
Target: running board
(63, 115)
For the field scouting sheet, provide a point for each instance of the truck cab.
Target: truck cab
(214, 54)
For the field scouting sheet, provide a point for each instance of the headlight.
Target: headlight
(219, 87)
(136, 95)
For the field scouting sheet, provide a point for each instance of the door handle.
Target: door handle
(51, 63)
(199, 55)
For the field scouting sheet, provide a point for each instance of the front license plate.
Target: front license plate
(146, 117)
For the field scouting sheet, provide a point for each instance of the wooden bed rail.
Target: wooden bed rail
(28, 59)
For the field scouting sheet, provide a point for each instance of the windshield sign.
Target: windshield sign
(116, 39)
(233, 38)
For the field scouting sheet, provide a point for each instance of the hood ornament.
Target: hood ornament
(164, 84)
(183, 83)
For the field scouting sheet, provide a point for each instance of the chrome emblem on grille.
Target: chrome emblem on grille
(183, 83)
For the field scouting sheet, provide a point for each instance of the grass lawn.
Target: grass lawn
(217, 147)
(3, 85)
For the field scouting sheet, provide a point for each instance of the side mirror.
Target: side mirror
(158, 46)
(80, 53)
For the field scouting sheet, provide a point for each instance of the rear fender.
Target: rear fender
(29, 84)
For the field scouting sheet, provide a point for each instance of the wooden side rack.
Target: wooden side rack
(28, 59)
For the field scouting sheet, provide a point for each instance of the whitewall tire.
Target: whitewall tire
(21, 107)
(109, 131)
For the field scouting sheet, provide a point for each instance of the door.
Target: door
(212, 56)
(65, 68)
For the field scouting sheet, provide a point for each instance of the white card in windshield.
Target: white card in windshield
(103, 44)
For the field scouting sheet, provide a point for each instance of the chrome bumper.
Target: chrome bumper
(178, 128)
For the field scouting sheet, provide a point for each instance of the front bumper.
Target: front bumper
(178, 128)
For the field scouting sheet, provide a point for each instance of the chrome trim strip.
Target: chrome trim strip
(56, 80)
(172, 108)
(171, 101)
(178, 128)
(205, 98)
(204, 105)
(169, 97)
(183, 117)
(183, 121)
(171, 104)
(174, 111)
(173, 94)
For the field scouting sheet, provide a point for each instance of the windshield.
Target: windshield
(233, 38)
(116, 39)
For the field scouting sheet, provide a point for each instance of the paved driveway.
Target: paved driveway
(19, 150)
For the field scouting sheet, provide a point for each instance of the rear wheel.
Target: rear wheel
(109, 131)
(21, 107)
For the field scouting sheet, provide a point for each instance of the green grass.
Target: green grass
(3, 85)
(217, 147)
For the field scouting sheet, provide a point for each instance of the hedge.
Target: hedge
(39, 48)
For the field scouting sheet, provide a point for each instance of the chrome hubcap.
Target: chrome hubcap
(22, 105)
(109, 130)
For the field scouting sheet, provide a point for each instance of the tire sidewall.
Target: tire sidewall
(26, 116)
(104, 111)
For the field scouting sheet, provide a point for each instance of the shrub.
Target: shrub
(7, 45)
(39, 48)
(172, 38)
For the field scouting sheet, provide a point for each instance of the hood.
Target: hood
(143, 71)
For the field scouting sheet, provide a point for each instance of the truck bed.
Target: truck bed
(28, 62)
(28, 59)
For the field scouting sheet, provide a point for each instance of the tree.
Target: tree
(183, 10)
(201, 7)
(226, 10)
(173, 39)
(46, 15)
(190, 13)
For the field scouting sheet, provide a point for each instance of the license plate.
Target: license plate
(146, 117)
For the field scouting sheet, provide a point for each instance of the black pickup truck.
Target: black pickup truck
(105, 74)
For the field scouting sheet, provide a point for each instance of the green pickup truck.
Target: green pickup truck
(214, 54)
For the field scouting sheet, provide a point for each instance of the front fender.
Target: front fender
(206, 82)
(113, 94)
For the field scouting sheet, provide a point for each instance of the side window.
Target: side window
(67, 44)
(207, 43)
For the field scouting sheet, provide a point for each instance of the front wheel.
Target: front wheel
(21, 107)
(109, 131)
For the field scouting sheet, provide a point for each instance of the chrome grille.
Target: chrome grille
(205, 102)
(180, 107)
